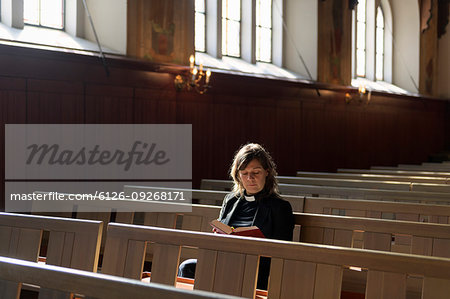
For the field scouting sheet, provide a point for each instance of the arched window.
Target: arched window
(231, 28)
(372, 41)
(379, 63)
(200, 25)
(45, 13)
(361, 39)
(264, 30)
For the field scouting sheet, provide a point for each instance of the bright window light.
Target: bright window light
(45, 13)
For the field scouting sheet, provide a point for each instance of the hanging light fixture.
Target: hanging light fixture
(197, 79)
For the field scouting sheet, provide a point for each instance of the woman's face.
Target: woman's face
(253, 177)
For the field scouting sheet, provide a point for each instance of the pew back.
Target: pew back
(377, 234)
(212, 197)
(230, 264)
(395, 172)
(378, 209)
(72, 243)
(317, 205)
(353, 183)
(375, 177)
(344, 192)
(64, 283)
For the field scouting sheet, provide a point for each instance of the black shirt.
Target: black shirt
(244, 214)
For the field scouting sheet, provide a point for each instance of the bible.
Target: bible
(251, 231)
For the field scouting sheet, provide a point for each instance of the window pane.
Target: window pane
(231, 14)
(199, 32)
(31, 12)
(360, 63)
(52, 13)
(263, 44)
(200, 6)
(231, 9)
(379, 72)
(361, 11)
(360, 35)
(380, 40)
(380, 67)
(233, 44)
(380, 18)
(264, 13)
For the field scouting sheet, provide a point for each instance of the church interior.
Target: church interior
(351, 98)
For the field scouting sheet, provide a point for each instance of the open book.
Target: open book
(251, 231)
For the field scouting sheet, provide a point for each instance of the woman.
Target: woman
(254, 201)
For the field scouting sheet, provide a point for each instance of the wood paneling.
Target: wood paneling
(12, 111)
(55, 102)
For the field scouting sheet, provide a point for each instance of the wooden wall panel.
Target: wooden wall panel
(106, 104)
(196, 110)
(12, 111)
(155, 106)
(288, 128)
(55, 102)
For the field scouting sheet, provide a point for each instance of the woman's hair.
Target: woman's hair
(244, 156)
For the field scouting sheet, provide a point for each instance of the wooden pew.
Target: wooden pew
(71, 243)
(230, 264)
(369, 233)
(208, 184)
(374, 177)
(426, 166)
(396, 172)
(200, 216)
(378, 209)
(64, 283)
(378, 234)
(332, 206)
(366, 184)
(413, 168)
(90, 210)
(327, 229)
(351, 183)
(210, 197)
(343, 192)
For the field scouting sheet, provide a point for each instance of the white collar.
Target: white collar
(249, 198)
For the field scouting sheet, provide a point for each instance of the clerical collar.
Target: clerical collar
(249, 198)
(254, 197)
